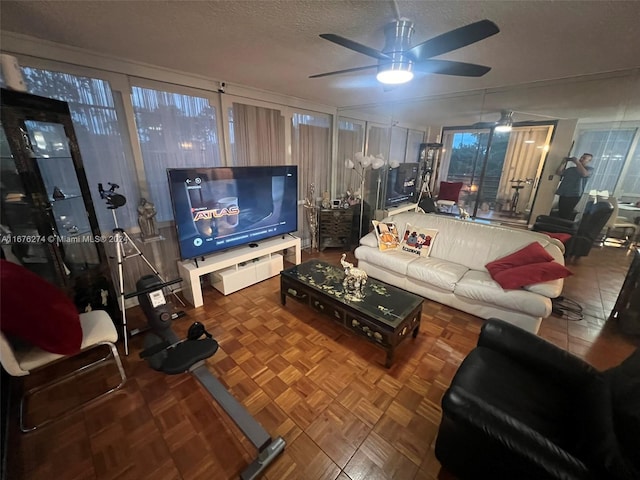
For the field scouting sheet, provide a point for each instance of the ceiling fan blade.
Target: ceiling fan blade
(358, 47)
(458, 38)
(338, 72)
(484, 124)
(448, 67)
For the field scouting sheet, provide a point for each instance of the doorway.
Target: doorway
(500, 171)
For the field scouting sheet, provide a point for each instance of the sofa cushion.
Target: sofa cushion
(532, 253)
(532, 273)
(479, 286)
(393, 260)
(550, 288)
(369, 240)
(434, 271)
(387, 235)
(418, 240)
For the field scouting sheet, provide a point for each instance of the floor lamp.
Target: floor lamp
(364, 162)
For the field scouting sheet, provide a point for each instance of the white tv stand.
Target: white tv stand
(250, 265)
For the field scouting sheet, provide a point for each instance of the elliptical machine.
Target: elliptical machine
(166, 353)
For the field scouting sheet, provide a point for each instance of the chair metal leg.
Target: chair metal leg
(112, 353)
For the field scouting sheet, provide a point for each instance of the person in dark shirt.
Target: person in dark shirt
(573, 183)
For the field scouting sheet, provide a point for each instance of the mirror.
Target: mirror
(596, 113)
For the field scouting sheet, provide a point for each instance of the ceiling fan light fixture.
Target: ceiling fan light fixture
(395, 73)
(505, 123)
(394, 77)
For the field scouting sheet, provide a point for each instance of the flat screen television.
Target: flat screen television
(223, 207)
(402, 183)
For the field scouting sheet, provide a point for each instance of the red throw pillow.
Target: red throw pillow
(517, 277)
(34, 310)
(532, 253)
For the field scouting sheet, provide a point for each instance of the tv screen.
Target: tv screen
(219, 208)
(402, 183)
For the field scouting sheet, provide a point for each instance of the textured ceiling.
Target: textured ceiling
(273, 45)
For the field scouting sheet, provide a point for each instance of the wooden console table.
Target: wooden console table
(192, 270)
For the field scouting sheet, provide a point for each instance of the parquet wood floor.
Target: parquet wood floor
(343, 415)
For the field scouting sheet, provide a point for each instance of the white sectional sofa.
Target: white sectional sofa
(454, 273)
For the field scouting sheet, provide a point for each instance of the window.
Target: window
(398, 148)
(610, 149)
(175, 131)
(378, 143)
(631, 181)
(414, 139)
(378, 140)
(311, 150)
(257, 135)
(96, 124)
(350, 141)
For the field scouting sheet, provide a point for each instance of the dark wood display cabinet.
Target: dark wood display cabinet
(47, 215)
(335, 228)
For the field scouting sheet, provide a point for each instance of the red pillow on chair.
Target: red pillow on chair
(449, 191)
(36, 311)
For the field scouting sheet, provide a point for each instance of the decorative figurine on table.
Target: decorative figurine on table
(354, 280)
(147, 219)
(326, 201)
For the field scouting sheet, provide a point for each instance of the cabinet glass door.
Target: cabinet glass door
(21, 239)
(55, 163)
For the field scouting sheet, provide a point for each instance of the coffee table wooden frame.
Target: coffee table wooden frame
(348, 315)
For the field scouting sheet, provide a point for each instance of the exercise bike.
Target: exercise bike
(166, 353)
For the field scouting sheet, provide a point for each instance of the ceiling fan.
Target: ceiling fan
(398, 59)
(505, 122)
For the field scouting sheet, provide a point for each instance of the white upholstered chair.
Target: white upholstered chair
(20, 360)
(629, 229)
(448, 196)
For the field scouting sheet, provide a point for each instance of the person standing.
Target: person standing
(573, 183)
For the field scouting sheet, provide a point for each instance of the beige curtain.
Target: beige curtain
(310, 149)
(258, 134)
(522, 162)
(350, 141)
(378, 143)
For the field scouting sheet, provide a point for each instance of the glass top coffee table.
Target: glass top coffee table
(386, 316)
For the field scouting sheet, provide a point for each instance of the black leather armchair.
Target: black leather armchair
(583, 233)
(521, 408)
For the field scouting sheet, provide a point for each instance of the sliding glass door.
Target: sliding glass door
(464, 153)
(499, 170)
